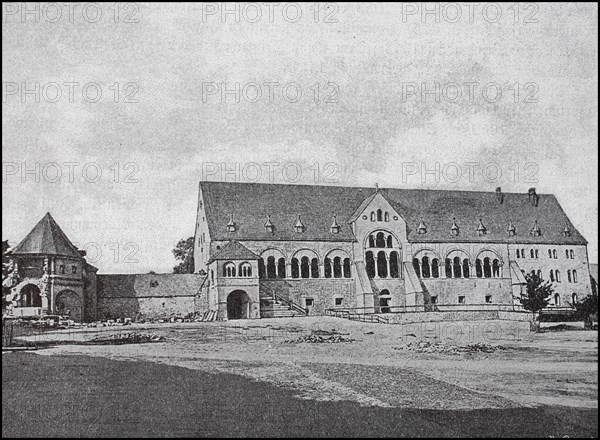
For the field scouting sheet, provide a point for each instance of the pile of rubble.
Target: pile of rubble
(127, 338)
(317, 339)
(438, 347)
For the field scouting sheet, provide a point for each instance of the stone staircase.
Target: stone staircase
(272, 308)
(275, 303)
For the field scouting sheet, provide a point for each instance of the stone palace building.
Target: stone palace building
(380, 250)
(266, 250)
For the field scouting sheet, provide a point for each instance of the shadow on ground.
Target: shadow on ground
(79, 396)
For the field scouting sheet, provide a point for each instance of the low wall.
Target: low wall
(410, 317)
(145, 308)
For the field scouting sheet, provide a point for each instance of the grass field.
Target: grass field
(243, 379)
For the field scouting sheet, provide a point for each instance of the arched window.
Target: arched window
(371, 241)
(245, 270)
(531, 253)
(382, 271)
(554, 254)
(557, 276)
(372, 216)
(425, 267)
(379, 216)
(417, 267)
(573, 299)
(271, 270)
(457, 272)
(261, 268)
(314, 268)
(518, 253)
(574, 276)
(487, 268)
(281, 268)
(305, 267)
(549, 253)
(212, 276)
(569, 276)
(386, 217)
(448, 268)
(337, 267)
(479, 268)
(327, 267)
(466, 268)
(567, 253)
(394, 268)
(435, 268)
(380, 240)
(347, 271)
(522, 253)
(496, 268)
(295, 268)
(370, 264)
(229, 270)
(537, 255)
(557, 299)
(572, 253)
(539, 274)
(551, 275)
(389, 241)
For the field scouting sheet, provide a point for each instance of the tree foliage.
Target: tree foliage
(538, 296)
(184, 252)
(587, 308)
(7, 269)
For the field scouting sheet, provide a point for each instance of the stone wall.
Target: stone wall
(146, 308)
(323, 292)
(474, 290)
(149, 296)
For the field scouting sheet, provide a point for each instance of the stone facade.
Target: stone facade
(391, 259)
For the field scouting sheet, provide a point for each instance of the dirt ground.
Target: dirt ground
(446, 366)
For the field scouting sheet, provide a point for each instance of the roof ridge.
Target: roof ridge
(366, 188)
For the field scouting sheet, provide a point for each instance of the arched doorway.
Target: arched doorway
(384, 301)
(238, 305)
(68, 303)
(30, 296)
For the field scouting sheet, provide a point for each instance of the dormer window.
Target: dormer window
(510, 229)
(231, 224)
(335, 227)
(422, 228)
(299, 226)
(454, 230)
(536, 231)
(481, 229)
(567, 231)
(269, 227)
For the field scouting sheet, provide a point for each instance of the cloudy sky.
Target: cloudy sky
(111, 115)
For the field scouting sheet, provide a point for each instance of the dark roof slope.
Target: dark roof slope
(250, 203)
(234, 251)
(47, 238)
(149, 285)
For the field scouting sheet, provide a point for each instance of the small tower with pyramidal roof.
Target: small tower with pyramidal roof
(50, 275)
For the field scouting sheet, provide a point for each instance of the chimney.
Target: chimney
(533, 197)
(499, 195)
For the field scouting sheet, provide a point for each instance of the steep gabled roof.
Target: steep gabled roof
(250, 203)
(47, 238)
(234, 251)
